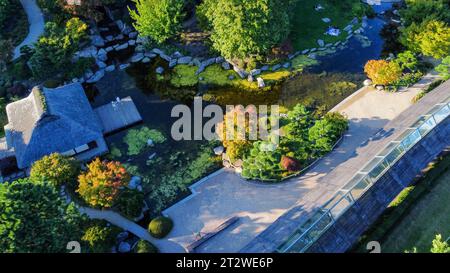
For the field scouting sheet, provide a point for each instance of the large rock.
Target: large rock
(165, 57)
(261, 83)
(124, 247)
(132, 42)
(110, 68)
(208, 62)
(133, 35)
(137, 57)
(276, 67)
(184, 60)
(326, 20)
(158, 51)
(146, 60)
(100, 64)
(219, 150)
(176, 55)
(321, 43)
(120, 25)
(226, 65)
(122, 236)
(109, 49)
(367, 82)
(87, 52)
(123, 66)
(255, 72)
(139, 48)
(219, 60)
(250, 78)
(97, 76)
(265, 68)
(121, 47)
(134, 182)
(150, 55)
(240, 72)
(97, 41)
(159, 70)
(173, 63)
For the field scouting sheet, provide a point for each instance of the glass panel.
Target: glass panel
(344, 203)
(333, 201)
(427, 126)
(290, 242)
(299, 245)
(419, 122)
(442, 114)
(394, 154)
(412, 139)
(355, 180)
(388, 149)
(372, 164)
(359, 189)
(378, 170)
(319, 227)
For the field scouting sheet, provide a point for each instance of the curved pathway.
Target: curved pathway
(36, 22)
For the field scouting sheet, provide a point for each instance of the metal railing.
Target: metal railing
(312, 229)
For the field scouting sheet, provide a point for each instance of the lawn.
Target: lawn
(308, 27)
(417, 215)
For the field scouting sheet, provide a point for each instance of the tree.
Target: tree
(158, 19)
(383, 72)
(36, 219)
(6, 7)
(99, 237)
(444, 68)
(439, 246)
(431, 38)
(6, 53)
(55, 169)
(300, 120)
(143, 246)
(263, 162)
(417, 11)
(130, 203)
(327, 131)
(101, 184)
(53, 52)
(243, 28)
(407, 60)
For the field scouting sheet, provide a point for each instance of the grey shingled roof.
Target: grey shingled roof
(51, 120)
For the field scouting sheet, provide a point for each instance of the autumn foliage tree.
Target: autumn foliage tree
(383, 72)
(101, 184)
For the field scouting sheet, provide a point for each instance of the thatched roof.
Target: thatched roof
(50, 120)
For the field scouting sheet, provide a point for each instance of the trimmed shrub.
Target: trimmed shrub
(145, 247)
(160, 227)
(290, 164)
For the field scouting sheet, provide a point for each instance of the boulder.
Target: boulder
(150, 55)
(88, 74)
(240, 72)
(208, 62)
(265, 68)
(286, 65)
(250, 78)
(88, 52)
(122, 236)
(101, 64)
(255, 72)
(110, 68)
(119, 37)
(124, 247)
(120, 25)
(139, 48)
(133, 35)
(127, 30)
(122, 47)
(219, 150)
(165, 57)
(132, 42)
(137, 57)
(109, 38)
(326, 20)
(97, 76)
(146, 60)
(109, 49)
(276, 67)
(176, 55)
(97, 41)
(348, 28)
(135, 181)
(184, 60)
(141, 40)
(261, 83)
(305, 51)
(226, 65)
(368, 82)
(123, 66)
(173, 63)
(159, 70)
(158, 51)
(231, 77)
(321, 43)
(219, 60)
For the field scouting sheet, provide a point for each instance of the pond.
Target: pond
(168, 168)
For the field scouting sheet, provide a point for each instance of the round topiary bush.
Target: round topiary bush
(160, 227)
(143, 246)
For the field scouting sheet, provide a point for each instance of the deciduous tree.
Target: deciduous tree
(55, 169)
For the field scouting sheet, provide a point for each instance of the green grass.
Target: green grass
(183, 75)
(308, 27)
(415, 217)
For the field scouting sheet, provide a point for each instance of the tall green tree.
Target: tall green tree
(431, 38)
(34, 218)
(327, 131)
(158, 19)
(242, 28)
(417, 11)
(444, 68)
(439, 246)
